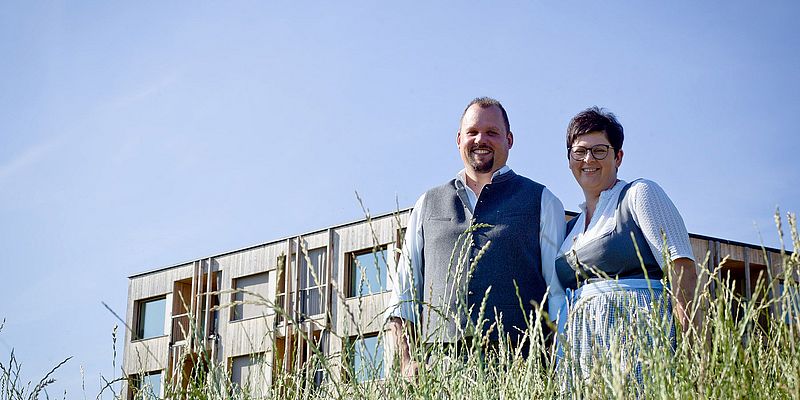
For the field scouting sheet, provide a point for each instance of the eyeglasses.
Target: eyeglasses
(599, 152)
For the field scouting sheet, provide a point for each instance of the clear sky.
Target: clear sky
(140, 135)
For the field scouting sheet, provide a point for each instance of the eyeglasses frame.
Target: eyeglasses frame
(589, 150)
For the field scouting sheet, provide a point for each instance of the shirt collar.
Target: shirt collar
(461, 176)
(606, 194)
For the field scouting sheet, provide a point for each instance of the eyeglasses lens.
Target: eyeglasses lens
(599, 152)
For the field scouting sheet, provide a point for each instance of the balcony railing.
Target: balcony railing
(311, 301)
(279, 301)
(180, 327)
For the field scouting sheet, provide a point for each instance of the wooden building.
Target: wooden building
(331, 287)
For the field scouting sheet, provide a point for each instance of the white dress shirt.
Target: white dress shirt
(405, 283)
(652, 210)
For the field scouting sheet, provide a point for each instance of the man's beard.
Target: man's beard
(481, 166)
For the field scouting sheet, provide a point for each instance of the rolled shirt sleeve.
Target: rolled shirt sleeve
(552, 227)
(405, 282)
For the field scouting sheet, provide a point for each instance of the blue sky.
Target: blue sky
(134, 136)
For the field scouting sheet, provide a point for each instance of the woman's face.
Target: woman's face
(594, 175)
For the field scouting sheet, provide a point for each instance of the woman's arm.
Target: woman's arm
(683, 278)
(665, 231)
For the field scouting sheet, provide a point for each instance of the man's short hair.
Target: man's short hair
(486, 102)
(596, 119)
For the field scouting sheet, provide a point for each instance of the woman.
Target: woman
(614, 256)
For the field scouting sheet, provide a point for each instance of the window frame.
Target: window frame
(235, 291)
(138, 333)
(351, 270)
(135, 383)
(380, 354)
(310, 288)
(256, 358)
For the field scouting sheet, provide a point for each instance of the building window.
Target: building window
(250, 296)
(150, 318)
(280, 288)
(368, 271)
(146, 386)
(366, 358)
(250, 374)
(788, 298)
(312, 281)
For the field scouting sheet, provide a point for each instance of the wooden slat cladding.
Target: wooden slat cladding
(249, 336)
(146, 355)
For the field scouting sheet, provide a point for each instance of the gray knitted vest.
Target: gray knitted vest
(612, 254)
(454, 287)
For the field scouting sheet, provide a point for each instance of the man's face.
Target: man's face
(483, 140)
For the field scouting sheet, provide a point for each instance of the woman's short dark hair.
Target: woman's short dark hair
(596, 119)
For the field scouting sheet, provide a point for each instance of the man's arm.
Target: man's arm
(552, 227)
(403, 339)
(405, 285)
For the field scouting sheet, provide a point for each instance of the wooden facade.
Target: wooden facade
(204, 320)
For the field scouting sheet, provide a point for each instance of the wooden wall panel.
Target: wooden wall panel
(158, 283)
(365, 316)
(248, 336)
(146, 355)
(700, 249)
(756, 256)
(733, 252)
(245, 262)
(315, 240)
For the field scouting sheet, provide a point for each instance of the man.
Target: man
(520, 225)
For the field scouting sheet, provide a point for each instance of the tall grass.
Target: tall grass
(745, 348)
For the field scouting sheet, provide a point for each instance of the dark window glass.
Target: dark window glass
(146, 387)
(250, 374)
(253, 303)
(367, 359)
(368, 272)
(151, 318)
